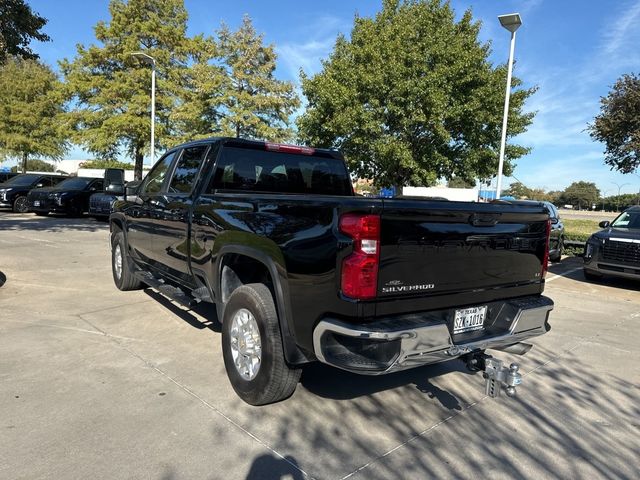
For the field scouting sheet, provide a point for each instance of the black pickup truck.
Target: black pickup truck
(300, 269)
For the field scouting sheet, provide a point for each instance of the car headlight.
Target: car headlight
(588, 252)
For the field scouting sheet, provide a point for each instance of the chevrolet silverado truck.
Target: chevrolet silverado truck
(300, 269)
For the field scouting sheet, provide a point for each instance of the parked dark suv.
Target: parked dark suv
(556, 236)
(13, 192)
(615, 250)
(70, 197)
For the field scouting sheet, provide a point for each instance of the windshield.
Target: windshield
(627, 220)
(74, 183)
(21, 180)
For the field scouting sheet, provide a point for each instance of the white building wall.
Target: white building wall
(453, 194)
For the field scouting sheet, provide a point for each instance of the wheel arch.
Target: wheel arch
(227, 279)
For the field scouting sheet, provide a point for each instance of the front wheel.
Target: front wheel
(21, 205)
(123, 276)
(252, 347)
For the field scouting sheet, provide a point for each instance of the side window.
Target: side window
(155, 178)
(97, 185)
(55, 180)
(186, 171)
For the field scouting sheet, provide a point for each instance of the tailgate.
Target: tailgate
(433, 248)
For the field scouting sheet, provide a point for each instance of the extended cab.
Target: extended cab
(300, 269)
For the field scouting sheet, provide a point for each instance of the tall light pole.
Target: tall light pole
(619, 188)
(511, 22)
(151, 61)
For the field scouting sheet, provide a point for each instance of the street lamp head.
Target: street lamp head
(511, 21)
(144, 57)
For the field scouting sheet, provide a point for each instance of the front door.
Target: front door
(172, 225)
(143, 211)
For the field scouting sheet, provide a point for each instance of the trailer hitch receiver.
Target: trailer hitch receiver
(497, 375)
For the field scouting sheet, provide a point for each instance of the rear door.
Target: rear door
(173, 207)
(431, 249)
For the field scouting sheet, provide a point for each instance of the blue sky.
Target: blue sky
(572, 50)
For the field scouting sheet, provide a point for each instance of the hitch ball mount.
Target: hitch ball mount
(495, 373)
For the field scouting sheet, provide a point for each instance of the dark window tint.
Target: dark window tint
(264, 171)
(75, 183)
(23, 180)
(97, 185)
(56, 180)
(155, 178)
(187, 169)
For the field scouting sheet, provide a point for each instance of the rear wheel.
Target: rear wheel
(252, 347)
(20, 204)
(123, 277)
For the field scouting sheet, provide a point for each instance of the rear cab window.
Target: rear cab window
(255, 169)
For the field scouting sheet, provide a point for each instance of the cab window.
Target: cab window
(186, 171)
(155, 178)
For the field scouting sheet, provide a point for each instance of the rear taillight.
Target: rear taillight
(545, 258)
(359, 278)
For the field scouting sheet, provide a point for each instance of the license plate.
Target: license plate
(36, 203)
(469, 319)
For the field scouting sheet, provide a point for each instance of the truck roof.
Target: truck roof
(242, 142)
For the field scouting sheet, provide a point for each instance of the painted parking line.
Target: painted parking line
(563, 274)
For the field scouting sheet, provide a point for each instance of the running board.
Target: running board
(169, 291)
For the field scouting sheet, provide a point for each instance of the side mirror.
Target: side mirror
(131, 188)
(39, 185)
(604, 224)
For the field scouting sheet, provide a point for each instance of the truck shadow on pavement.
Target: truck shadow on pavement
(55, 224)
(205, 310)
(328, 382)
(565, 423)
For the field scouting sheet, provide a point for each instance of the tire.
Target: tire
(558, 256)
(274, 380)
(594, 277)
(122, 275)
(20, 204)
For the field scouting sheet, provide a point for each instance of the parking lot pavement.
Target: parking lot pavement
(98, 383)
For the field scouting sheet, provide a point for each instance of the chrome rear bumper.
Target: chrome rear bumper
(415, 343)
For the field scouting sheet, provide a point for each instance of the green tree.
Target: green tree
(518, 190)
(412, 97)
(618, 125)
(199, 110)
(256, 104)
(111, 89)
(583, 194)
(36, 165)
(459, 182)
(18, 26)
(106, 163)
(31, 110)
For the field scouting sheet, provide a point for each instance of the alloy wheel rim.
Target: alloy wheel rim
(117, 254)
(246, 345)
(21, 205)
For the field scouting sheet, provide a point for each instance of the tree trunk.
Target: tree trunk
(25, 156)
(137, 169)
